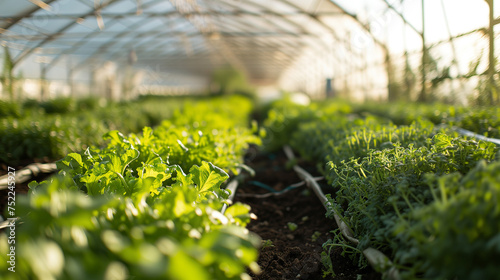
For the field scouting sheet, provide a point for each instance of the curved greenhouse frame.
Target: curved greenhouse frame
(364, 50)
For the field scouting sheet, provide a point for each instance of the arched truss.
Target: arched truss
(262, 38)
(258, 37)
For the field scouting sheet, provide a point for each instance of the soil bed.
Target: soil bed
(293, 254)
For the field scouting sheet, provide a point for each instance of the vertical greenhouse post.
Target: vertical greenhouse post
(7, 75)
(423, 93)
(43, 82)
(69, 77)
(393, 92)
(491, 56)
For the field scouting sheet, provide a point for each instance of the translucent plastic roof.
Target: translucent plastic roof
(182, 36)
(268, 40)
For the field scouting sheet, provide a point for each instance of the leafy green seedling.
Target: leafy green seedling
(315, 236)
(292, 226)
(267, 243)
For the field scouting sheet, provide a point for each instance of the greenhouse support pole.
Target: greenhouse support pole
(92, 83)
(392, 92)
(70, 83)
(43, 82)
(423, 93)
(491, 56)
(8, 74)
(69, 78)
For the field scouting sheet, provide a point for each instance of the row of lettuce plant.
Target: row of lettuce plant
(145, 206)
(420, 193)
(52, 136)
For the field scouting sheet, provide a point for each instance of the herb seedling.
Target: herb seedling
(292, 226)
(315, 236)
(267, 243)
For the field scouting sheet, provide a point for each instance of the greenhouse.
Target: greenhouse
(249, 139)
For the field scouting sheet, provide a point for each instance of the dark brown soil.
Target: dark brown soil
(293, 254)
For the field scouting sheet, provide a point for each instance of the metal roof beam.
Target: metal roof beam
(51, 37)
(107, 45)
(12, 21)
(403, 18)
(152, 15)
(218, 45)
(93, 34)
(296, 25)
(363, 26)
(157, 33)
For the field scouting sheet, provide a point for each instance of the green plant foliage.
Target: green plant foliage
(227, 81)
(56, 135)
(89, 103)
(128, 156)
(59, 105)
(485, 122)
(284, 117)
(315, 236)
(443, 248)
(404, 113)
(267, 243)
(174, 232)
(406, 189)
(388, 184)
(336, 141)
(292, 226)
(144, 206)
(481, 120)
(9, 109)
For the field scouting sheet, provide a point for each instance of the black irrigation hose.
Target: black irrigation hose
(262, 185)
(27, 173)
(21, 176)
(272, 191)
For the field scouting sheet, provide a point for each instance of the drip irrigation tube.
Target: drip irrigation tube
(377, 259)
(475, 135)
(276, 193)
(232, 186)
(27, 173)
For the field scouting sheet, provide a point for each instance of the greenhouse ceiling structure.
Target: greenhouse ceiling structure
(375, 49)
